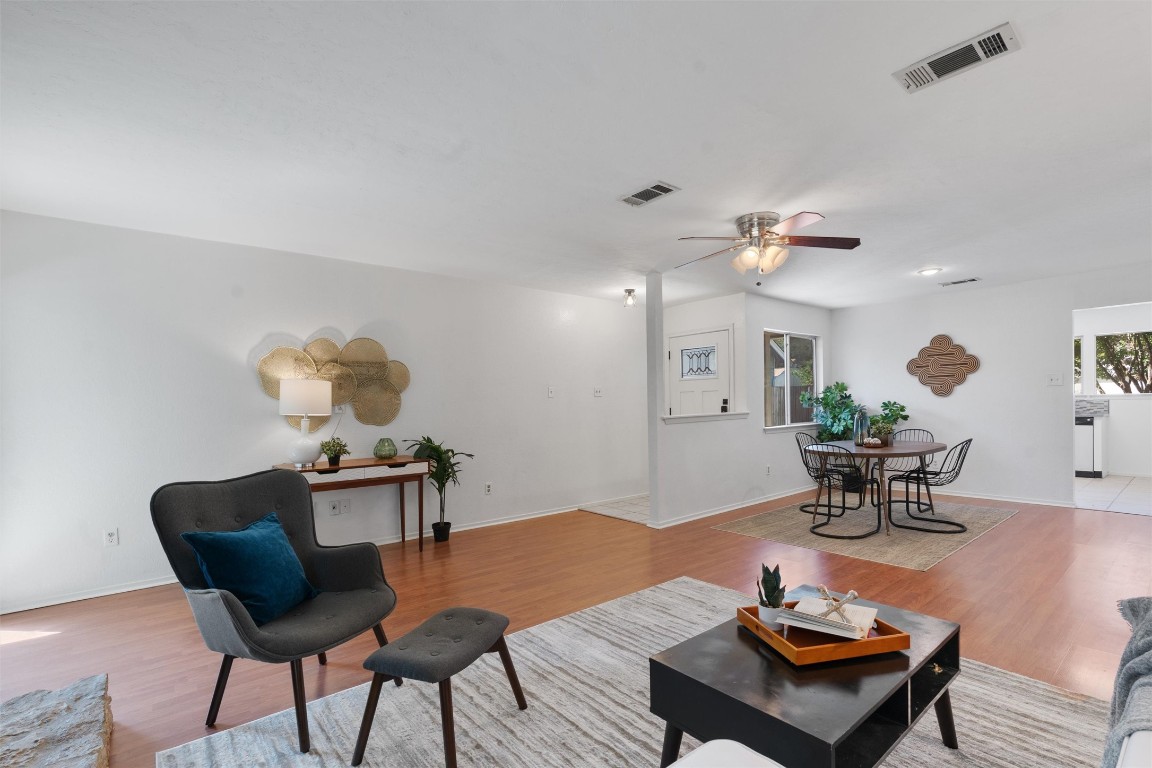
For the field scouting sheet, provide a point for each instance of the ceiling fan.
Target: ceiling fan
(764, 240)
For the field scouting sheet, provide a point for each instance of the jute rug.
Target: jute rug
(907, 549)
(586, 679)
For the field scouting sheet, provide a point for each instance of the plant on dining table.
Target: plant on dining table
(833, 410)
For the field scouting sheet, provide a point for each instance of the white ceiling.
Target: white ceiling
(493, 140)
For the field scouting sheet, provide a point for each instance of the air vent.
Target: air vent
(647, 195)
(959, 58)
(960, 282)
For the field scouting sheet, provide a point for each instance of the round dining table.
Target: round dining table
(880, 453)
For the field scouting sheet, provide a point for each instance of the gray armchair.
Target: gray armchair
(353, 594)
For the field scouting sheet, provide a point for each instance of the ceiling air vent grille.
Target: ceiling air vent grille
(960, 282)
(958, 58)
(648, 194)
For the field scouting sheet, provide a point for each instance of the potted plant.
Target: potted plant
(334, 448)
(771, 593)
(833, 410)
(443, 468)
(883, 425)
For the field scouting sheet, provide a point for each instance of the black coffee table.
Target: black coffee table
(727, 684)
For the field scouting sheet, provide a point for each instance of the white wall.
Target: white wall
(1128, 428)
(1022, 427)
(129, 362)
(715, 465)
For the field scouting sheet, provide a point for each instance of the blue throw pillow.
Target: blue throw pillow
(257, 564)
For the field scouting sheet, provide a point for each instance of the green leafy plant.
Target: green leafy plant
(443, 466)
(334, 447)
(878, 427)
(833, 410)
(769, 588)
(894, 413)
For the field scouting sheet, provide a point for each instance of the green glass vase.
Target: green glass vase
(385, 448)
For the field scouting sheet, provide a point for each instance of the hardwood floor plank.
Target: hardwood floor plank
(1035, 596)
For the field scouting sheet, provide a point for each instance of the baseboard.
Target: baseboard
(88, 594)
(1013, 499)
(726, 508)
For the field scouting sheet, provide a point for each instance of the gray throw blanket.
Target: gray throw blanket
(1132, 694)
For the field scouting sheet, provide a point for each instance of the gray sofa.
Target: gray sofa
(1129, 743)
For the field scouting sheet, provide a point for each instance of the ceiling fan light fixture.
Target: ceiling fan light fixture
(749, 258)
(772, 258)
(927, 271)
(738, 265)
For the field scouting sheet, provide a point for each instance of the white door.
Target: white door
(699, 373)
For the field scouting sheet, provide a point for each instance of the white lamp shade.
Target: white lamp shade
(773, 257)
(305, 397)
(738, 265)
(749, 256)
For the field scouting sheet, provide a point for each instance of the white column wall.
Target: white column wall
(716, 465)
(129, 362)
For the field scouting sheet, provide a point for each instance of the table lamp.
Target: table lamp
(304, 398)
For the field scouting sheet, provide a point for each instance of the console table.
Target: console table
(359, 473)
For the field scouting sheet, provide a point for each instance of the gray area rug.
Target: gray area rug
(586, 679)
(907, 549)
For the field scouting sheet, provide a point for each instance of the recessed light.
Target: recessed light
(929, 271)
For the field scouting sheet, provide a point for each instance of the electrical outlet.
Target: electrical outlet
(334, 507)
(345, 506)
(339, 506)
(112, 537)
(551, 391)
(487, 489)
(598, 392)
(1055, 379)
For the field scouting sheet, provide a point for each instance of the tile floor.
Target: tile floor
(1115, 493)
(633, 509)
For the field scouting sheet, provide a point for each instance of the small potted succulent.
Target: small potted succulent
(880, 429)
(771, 593)
(334, 448)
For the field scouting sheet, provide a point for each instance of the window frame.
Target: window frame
(817, 374)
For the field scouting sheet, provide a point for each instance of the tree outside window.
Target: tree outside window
(1123, 363)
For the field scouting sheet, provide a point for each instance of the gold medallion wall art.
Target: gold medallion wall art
(361, 374)
(943, 365)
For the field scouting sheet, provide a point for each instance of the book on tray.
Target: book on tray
(806, 615)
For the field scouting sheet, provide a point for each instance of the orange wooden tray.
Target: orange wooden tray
(803, 646)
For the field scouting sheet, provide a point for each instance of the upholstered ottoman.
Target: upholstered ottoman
(433, 652)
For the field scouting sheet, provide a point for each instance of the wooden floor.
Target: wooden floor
(1035, 596)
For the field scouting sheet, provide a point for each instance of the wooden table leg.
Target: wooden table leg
(401, 485)
(671, 750)
(947, 724)
(420, 535)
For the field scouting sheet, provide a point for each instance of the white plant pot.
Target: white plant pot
(768, 617)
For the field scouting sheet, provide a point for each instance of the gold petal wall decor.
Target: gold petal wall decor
(366, 358)
(361, 374)
(323, 351)
(284, 363)
(343, 382)
(943, 365)
(376, 402)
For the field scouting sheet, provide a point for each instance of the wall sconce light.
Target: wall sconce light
(304, 398)
(629, 297)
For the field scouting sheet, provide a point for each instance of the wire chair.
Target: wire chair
(834, 468)
(909, 463)
(927, 478)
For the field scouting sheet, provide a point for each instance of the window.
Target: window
(789, 371)
(1124, 363)
(1078, 384)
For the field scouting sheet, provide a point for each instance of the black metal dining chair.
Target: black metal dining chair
(834, 468)
(925, 478)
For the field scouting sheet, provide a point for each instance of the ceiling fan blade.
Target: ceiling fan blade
(846, 243)
(724, 250)
(793, 223)
(742, 239)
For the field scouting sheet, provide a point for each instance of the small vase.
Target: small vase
(860, 427)
(385, 448)
(768, 617)
(333, 461)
